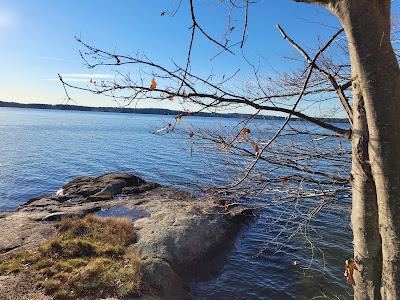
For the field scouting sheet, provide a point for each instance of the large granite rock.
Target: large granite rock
(176, 231)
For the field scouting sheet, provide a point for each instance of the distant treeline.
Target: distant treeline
(155, 111)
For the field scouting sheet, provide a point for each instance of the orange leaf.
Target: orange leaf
(350, 266)
(245, 131)
(153, 84)
(171, 98)
(285, 179)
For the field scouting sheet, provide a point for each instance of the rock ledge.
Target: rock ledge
(176, 231)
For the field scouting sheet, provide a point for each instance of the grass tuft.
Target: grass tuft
(116, 231)
(88, 258)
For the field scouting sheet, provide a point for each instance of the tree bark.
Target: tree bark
(364, 217)
(367, 26)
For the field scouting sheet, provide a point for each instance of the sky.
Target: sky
(37, 40)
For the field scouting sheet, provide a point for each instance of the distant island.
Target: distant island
(153, 111)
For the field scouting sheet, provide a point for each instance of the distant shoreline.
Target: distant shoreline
(155, 111)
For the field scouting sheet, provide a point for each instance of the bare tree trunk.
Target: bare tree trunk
(364, 218)
(367, 26)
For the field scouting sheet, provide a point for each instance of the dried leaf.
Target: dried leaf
(171, 98)
(350, 266)
(117, 59)
(245, 131)
(153, 84)
(285, 179)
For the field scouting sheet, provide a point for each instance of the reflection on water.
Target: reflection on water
(41, 150)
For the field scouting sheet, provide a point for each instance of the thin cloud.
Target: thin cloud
(84, 77)
(89, 76)
(69, 79)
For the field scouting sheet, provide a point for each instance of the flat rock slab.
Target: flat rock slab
(175, 229)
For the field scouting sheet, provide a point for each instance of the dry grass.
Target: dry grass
(116, 231)
(88, 259)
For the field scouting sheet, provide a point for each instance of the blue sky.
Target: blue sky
(37, 39)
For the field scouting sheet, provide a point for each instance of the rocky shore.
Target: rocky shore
(175, 231)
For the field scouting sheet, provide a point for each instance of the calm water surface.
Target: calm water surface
(40, 150)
